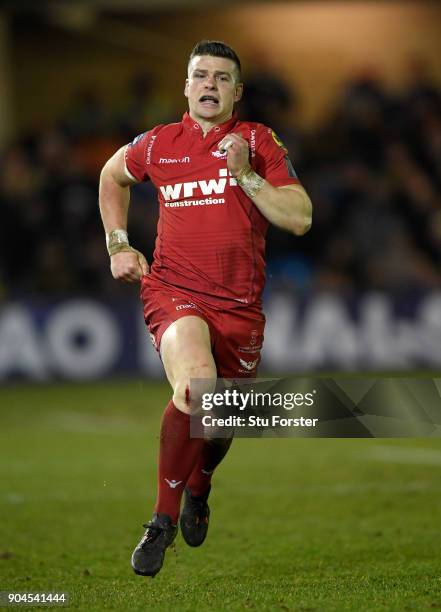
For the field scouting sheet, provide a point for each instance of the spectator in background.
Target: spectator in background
(88, 116)
(144, 104)
(373, 168)
(269, 100)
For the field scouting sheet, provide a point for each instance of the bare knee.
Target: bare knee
(188, 390)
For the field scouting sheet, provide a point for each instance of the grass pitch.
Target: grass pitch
(297, 524)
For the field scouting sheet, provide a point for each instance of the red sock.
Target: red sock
(177, 456)
(212, 453)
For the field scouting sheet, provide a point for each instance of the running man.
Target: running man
(220, 182)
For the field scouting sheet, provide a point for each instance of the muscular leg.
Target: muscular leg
(186, 354)
(236, 329)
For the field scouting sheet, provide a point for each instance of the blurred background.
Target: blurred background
(352, 88)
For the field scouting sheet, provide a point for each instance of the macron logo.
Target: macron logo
(172, 160)
(172, 483)
(186, 190)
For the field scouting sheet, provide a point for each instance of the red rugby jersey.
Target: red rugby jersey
(211, 236)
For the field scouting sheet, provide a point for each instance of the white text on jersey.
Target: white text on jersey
(186, 190)
(173, 160)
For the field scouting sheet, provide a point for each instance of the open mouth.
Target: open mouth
(209, 100)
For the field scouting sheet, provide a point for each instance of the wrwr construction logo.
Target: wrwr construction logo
(172, 193)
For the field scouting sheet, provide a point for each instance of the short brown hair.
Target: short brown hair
(216, 48)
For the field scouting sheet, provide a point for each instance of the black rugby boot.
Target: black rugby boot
(194, 518)
(148, 556)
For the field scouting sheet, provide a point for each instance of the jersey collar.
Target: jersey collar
(223, 128)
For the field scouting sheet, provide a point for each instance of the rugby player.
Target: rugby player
(220, 182)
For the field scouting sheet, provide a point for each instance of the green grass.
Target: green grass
(297, 524)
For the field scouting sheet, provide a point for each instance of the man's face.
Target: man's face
(212, 88)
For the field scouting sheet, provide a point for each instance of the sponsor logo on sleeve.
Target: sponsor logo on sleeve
(135, 140)
(253, 143)
(149, 150)
(278, 142)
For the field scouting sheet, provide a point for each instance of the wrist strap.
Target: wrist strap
(117, 240)
(250, 181)
(119, 248)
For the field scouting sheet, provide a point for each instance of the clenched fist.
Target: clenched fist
(238, 152)
(128, 265)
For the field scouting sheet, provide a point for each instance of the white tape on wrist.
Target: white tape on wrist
(116, 240)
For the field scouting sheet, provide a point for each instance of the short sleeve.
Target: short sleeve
(272, 159)
(136, 158)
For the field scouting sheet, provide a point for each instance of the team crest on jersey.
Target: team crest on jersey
(219, 155)
(248, 365)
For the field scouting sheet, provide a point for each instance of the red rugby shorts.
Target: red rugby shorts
(236, 334)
